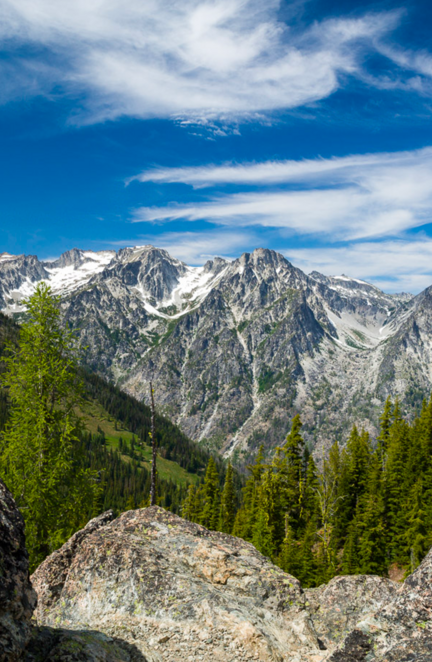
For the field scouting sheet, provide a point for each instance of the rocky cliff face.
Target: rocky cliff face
(17, 597)
(236, 348)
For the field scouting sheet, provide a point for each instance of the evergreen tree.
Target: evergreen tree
(289, 558)
(39, 451)
(373, 544)
(350, 561)
(262, 533)
(228, 503)
(190, 507)
(395, 487)
(354, 468)
(308, 568)
(385, 423)
(211, 497)
(418, 538)
(294, 486)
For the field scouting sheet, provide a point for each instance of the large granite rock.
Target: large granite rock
(337, 606)
(17, 597)
(176, 591)
(150, 586)
(400, 631)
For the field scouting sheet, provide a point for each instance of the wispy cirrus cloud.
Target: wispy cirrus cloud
(347, 198)
(185, 58)
(394, 266)
(336, 170)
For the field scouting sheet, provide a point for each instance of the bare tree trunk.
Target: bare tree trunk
(153, 438)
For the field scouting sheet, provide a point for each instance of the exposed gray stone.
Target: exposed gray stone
(336, 607)
(237, 349)
(17, 597)
(173, 589)
(401, 630)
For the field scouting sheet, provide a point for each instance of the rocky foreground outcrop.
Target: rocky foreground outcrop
(336, 607)
(17, 597)
(401, 631)
(152, 587)
(177, 592)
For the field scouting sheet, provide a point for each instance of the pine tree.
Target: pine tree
(289, 558)
(385, 423)
(228, 503)
(354, 468)
(40, 457)
(189, 507)
(395, 488)
(243, 525)
(308, 566)
(327, 501)
(294, 485)
(373, 543)
(262, 533)
(350, 561)
(418, 538)
(211, 494)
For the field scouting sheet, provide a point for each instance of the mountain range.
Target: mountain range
(236, 348)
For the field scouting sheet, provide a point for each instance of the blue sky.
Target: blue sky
(211, 128)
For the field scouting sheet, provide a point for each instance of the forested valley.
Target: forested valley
(365, 510)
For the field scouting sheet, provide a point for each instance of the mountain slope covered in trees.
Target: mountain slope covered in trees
(115, 443)
(367, 510)
(237, 348)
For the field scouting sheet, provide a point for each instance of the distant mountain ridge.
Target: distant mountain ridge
(235, 348)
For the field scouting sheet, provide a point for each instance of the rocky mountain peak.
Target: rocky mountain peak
(75, 257)
(151, 271)
(215, 265)
(237, 347)
(4, 257)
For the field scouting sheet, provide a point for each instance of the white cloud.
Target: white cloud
(353, 197)
(185, 58)
(336, 170)
(394, 266)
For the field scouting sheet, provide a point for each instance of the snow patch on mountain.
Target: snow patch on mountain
(74, 269)
(64, 280)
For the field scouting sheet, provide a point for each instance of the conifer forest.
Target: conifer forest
(365, 509)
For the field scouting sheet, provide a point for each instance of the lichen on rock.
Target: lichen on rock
(178, 591)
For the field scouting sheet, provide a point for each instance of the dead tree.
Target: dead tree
(153, 440)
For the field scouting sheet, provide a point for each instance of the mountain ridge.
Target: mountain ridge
(235, 348)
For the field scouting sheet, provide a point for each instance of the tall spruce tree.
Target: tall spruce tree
(295, 480)
(228, 503)
(40, 458)
(211, 497)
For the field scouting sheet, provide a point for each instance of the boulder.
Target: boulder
(337, 606)
(401, 630)
(175, 591)
(17, 597)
